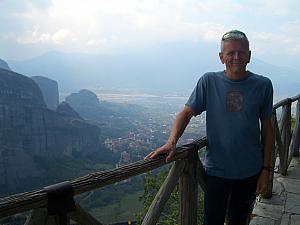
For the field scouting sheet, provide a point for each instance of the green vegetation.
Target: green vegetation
(293, 123)
(119, 211)
(115, 203)
(170, 215)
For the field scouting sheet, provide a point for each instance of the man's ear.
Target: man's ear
(221, 57)
(249, 56)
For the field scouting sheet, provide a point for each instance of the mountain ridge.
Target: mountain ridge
(167, 68)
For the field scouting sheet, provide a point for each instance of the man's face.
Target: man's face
(235, 55)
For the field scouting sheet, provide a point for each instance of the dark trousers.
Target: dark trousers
(238, 195)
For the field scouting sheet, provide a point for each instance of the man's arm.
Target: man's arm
(179, 125)
(267, 140)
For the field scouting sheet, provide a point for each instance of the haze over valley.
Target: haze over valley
(95, 85)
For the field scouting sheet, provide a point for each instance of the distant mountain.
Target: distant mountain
(87, 104)
(173, 67)
(31, 134)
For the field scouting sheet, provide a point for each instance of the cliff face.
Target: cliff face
(29, 129)
(49, 90)
(4, 65)
(65, 109)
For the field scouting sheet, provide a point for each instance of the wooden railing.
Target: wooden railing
(55, 204)
(286, 141)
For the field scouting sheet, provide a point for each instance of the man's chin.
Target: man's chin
(238, 69)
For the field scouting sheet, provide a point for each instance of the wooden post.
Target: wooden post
(189, 191)
(285, 130)
(82, 217)
(268, 194)
(164, 193)
(296, 136)
(201, 174)
(37, 217)
(278, 144)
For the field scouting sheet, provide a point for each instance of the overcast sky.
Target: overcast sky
(32, 27)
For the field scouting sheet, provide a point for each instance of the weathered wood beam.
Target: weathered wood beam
(200, 174)
(164, 193)
(295, 142)
(285, 130)
(295, 98)
(279, 145)
(189, 191)
(37, 217)
(82, 217)
(281, 103)
(268, 194)
(285, 101)
(38, 199)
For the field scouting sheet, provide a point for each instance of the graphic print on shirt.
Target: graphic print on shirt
(234, 101)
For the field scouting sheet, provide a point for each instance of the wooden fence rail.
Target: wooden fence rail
(55, 204)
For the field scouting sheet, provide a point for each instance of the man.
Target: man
(237, 160)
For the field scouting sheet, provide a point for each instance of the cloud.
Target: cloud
(102, 26)
(277, 7)
(36, 36)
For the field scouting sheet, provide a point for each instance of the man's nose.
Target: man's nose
(236, 55)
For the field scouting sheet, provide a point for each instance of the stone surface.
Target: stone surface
(28, 130)
(290, 185)
(295, 220)
(257, 220)
(278, 187)
(275, 200)
(285, 193)
(49, 90)
(294, 172)
(293, 203)
(268, 210)
(285, 220)
(65, 109)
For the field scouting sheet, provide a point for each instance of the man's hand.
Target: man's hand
(168, 148)
(180, 123)
(263, 182)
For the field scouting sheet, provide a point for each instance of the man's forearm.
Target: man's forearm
(267, 140)
(180, 123)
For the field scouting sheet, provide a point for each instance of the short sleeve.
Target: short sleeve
(267, 104)
(197, 100)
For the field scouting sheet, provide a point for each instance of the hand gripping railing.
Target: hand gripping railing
(186, 168)
(55, 204)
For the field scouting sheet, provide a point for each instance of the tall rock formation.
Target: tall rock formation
(89, 107)
(4, 65)
(28, 129)
(49, 90)
(65, 109)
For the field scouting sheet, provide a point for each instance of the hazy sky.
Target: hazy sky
(32, 27)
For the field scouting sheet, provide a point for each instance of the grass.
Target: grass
(120, 211)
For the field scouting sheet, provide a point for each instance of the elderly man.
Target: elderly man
(238, 105)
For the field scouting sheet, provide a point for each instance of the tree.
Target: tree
(170, 215)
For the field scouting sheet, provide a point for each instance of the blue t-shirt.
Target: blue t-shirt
(233, 110)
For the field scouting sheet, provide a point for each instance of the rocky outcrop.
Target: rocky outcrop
(83, 97)
(88, 106)
(66, 110)
(49, 90)
(28, 129)
(4, 65)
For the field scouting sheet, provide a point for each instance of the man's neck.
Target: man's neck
(236, 76)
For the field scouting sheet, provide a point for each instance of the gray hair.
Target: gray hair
(234, 35)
